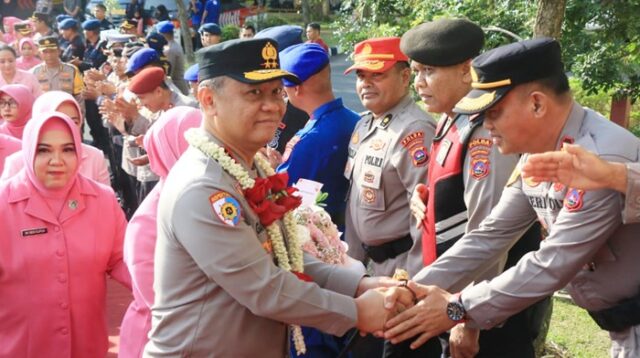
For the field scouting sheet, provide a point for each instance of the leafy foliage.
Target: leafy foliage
(600, 38)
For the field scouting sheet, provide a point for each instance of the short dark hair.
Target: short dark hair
(314, 25)
(8, 48)
(249, 27)
(557, 83)
(100, 6)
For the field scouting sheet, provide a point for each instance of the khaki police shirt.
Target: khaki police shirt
(383, 173)
(482, 191)
(65, 78)
(587, 248)
(218, 293)
(631, 212)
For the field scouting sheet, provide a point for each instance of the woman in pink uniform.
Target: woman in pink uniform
(28, 52)
(164, 143)
(15, 109)
(93, 165)
(61, 235)
(8, 146)
(10, 74)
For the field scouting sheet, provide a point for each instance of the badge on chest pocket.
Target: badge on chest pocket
(375, 152)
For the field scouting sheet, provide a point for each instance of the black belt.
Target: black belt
(389, 250)
(619, 317)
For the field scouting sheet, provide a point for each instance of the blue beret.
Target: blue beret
(164, 27)
(68, 24)
(156, 41)
(91, 25)
(191, 75)
(60, 18)
(140, 59)
(285, 35)
(211, 28)
(303, 60)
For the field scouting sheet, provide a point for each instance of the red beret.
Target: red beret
(146, 80)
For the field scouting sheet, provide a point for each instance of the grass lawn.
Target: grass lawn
(573, 333)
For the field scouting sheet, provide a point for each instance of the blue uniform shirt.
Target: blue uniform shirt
(213, 12)
(319, 152)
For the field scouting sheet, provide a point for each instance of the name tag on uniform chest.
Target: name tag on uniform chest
(374, 153)
(34, 232)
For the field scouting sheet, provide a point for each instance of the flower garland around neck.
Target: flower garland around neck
(271, 200)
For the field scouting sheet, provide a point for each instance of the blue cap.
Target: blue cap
(164, 27)
(285, 35)
(211, 28)
(191, 75)
(91, 25)
(60, 18)
(68, 24)
(140, 59)
(303, 60)
(156, 41)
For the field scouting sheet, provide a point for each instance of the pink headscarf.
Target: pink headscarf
(165, 142)
(24, 63)
(24, 97)
(32, 134)
(8, 22)
(50, 101)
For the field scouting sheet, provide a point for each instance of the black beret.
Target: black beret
(48, 42)
(248, 61)
(497, 71)
(444, 42)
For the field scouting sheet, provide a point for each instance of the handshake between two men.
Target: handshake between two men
(399, 310)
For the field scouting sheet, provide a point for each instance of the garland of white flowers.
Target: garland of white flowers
(288, 253)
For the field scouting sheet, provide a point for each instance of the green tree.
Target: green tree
(600, 38)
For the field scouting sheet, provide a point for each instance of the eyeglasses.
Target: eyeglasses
(11, 103)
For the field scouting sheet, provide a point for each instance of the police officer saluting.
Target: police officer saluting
(524, 92)
(387, 158)
(466, 173)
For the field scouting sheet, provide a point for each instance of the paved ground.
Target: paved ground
(118, 299)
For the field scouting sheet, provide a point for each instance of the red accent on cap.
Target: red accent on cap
(377, 55)
(146, 80)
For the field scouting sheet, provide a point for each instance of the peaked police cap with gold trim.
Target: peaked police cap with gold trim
(497, 71)
(249, 61)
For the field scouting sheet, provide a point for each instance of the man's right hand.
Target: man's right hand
(418, 202)
(376, 306)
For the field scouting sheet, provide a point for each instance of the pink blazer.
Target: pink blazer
(53, 271)
(92, 166)
(25, 78)
(8, 146)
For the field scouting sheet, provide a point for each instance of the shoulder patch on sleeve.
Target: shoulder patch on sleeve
(479, 150)
(226, 208)
(414, 138)
(419, 155)
(573, 200)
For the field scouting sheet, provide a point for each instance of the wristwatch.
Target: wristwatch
(455, 309)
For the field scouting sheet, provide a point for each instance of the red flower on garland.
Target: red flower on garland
(302, 276)
(261, 198)
(279, 181)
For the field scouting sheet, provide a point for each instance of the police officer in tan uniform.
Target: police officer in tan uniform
(524, 92)
(577, 167)
(53, 74)
(465, 176)
(221, 285)
(388, 156)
